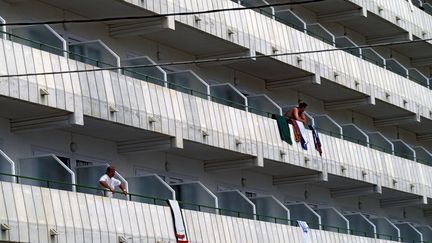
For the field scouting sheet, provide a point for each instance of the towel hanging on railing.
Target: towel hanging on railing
(316, 139)
(283, 127)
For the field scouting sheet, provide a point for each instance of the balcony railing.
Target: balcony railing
(325, 39)
(213, 97)
(204, 208)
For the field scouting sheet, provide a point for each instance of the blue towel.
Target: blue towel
(316, 139)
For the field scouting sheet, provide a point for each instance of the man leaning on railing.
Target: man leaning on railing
(297, 113)
(108, 182)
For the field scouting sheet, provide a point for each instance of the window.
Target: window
(222, 188)
(170, 178)
(250, 194)
(65, 160)
(174, 180)
(83, 163)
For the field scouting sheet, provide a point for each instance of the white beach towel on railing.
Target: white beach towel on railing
(179, 225)
(303, 131)
(304, 228)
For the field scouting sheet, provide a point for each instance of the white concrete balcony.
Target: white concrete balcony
(21, 205)
(413, 20)
(191, 195)
(170, 119)
(349, 75)
(34, 214)
(391, 20)
(341, 76)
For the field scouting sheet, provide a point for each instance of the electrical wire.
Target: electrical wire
(222, 59)
(79, 21)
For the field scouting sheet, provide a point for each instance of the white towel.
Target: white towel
(303, 131)
(304, 227)
(178, 221)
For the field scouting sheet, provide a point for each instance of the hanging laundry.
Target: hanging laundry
(178, 220)
(300, 133)
(304, 228)
(296, 130)
(316, 139)
(284, 131)
(303, 134)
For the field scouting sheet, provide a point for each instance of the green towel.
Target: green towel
(283, 129)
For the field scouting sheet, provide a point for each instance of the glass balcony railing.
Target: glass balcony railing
(344, 42)
(372, 56)
(263, 103)
(150, 186)
(288, 16)
(269, 205)
(385, 228)
(269, 12)
(36, 166)
(196, 193)
(416, 76)
(94, 53)
(328, 126)
(187, 80)
(403, 150)
(320, 32)
(157, 74)
(394, 66)
(379, 142)
(364, 226)
(423, 155)
(227, 95)
(53, 42)
(354, 134)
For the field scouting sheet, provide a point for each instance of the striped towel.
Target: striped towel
(316, 139)
(300, 133)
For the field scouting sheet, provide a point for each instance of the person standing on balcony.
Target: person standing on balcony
(297, 113)
(108, 182)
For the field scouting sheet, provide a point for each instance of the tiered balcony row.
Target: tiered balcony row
(152, 190)
(98, 54)
(412, 19)
(77, 217)
(269, 36)
(316, 30)
(115, 97)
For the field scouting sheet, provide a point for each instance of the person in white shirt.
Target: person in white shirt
(108, 182)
